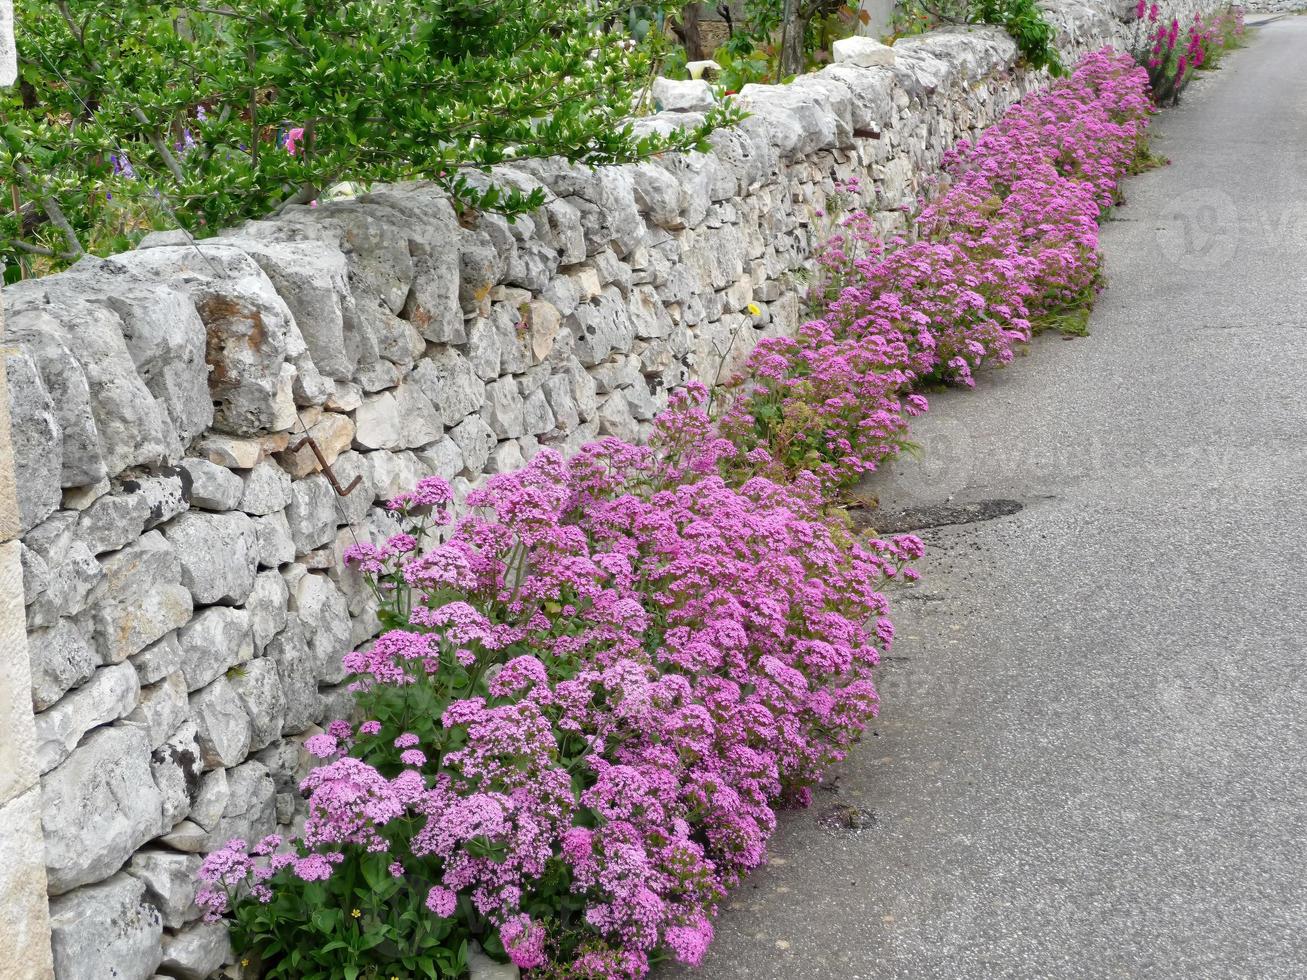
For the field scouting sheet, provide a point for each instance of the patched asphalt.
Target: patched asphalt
(1091, 755)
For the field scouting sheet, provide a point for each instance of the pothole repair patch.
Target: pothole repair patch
(936, 515)
(842, 816)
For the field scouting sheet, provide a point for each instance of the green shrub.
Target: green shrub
(132, 114)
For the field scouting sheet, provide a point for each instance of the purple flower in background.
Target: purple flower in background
(122, 167)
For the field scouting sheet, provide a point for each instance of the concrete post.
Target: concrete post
(24, 909)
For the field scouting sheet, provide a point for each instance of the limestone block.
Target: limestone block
(615, 418)
(213, 487)
(259, 689)
(475, 439)
(25, 938)
(106, 930)
(506, 457)
(175, 767)
(60, 659)
(217, 554)
(312, 513)
(111, 693)
(161, 709)
(265, 489)
(863, 52)
(46, 314)
(158, 660)
(214, 641)
(443, 458)
(601, 327)
(671, 95)
(36, 440)
(98, 806)
(297, 671)
(250, 331)
(141, 600)
(196, 951)
(323, 612)
(333, 434)
(222, 728)
(450, 383)
(166, 340)
(503, 409)
(310, 276)
(170, 883)
(483, 351)
(164, 494)
(276, 546)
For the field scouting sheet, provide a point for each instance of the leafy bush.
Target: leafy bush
(131, 114)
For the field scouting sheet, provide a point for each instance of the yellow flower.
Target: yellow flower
(754, 309)
(245, 962)
(356, 913)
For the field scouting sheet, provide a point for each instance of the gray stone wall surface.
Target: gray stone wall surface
(186, 608)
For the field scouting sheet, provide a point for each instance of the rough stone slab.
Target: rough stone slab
(267, 608)
(176, 769)
(333, 433)
(196, 951)
(17, 740)
(323, 612)
(113, 521)
(297, 671)
(98, 806)
(217, 554)
(36, 440)
(266, 488)
(166, 341)
(24, 922)
(170, 883)
(158, 660)
(222, 728)
(251, 332)
(212, 487)
(215, 640)
(161, 709)
(276, 546)
(60, 659)
(312, 513)
(141, 600)
(106, 930)
(259, 688)
(128, 422)
(111, 693)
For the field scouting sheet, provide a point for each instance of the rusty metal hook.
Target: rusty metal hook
(326, 467)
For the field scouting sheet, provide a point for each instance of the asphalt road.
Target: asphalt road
(1092, 755)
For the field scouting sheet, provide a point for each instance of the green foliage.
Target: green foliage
(130, 110)
(361, 923)
(1022, 19)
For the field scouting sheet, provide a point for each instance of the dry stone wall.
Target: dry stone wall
(185, 602)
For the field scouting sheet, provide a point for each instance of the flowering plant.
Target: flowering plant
(1007, 247)
(593, 696)
(1172, 56)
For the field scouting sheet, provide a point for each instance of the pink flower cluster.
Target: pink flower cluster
(1010, 244)
(645, 661)
(1170, 63)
